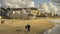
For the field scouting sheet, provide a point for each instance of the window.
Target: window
(13, 12)
(18, 12)
(0, 17)
(7, 14)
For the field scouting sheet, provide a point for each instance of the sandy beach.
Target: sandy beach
(38, 26)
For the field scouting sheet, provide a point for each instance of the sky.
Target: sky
(41, 1)
(17, 3)
(37, 2)
(27, 4)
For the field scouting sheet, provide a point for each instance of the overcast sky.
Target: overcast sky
(37, 2)
(41, 1)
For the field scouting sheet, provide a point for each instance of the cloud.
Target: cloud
(0, 5)
(53, 7)
(44, 7)
(30, 3)
(58, 1)
(16, 3)
(48, 7)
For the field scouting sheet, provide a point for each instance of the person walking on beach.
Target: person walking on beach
(2, 22)
(27, 27)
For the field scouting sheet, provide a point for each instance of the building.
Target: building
(0, 12)
(16, 13)
(21, 13)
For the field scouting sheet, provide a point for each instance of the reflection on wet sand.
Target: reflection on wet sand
(55, 29)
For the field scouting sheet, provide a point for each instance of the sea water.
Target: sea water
(55, 29)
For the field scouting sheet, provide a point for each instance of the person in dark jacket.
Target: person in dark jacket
(27, 27)
(2, 22)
